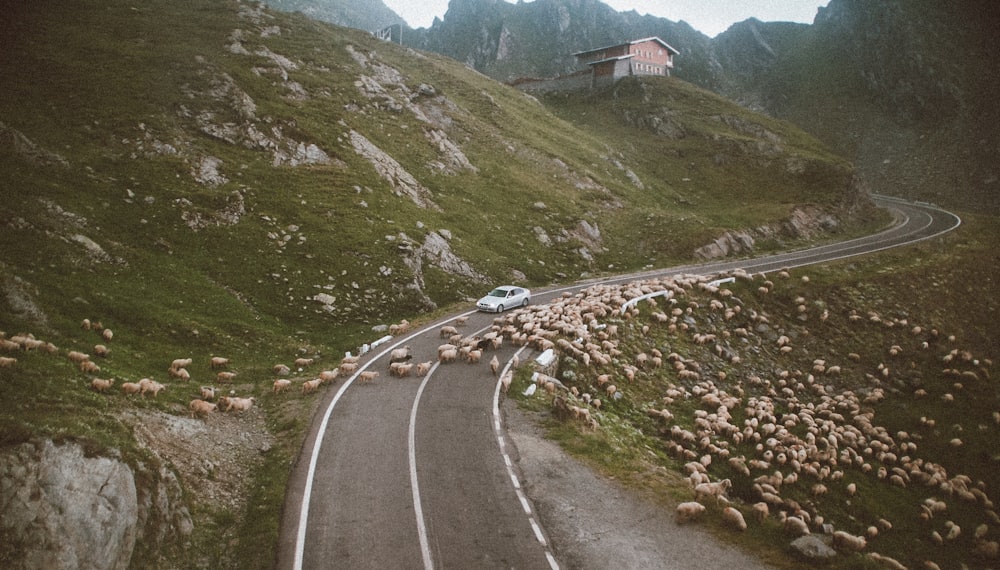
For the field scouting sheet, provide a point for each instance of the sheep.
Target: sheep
(424, 367)
(734, 518)
(281, 384)
(449, 355)
(207, 393)
(795, 526)
(348, 368)
(400, 354)
(6, 362)
(474, 356)
(716, 490)
(179, 373)
(107, 335)
(201, 408)
(849, 542)
(89, 367)
(368, 376)
(494, 364)
(281, 370)
(304, 362)
(311, 385)
(150, 385)
(236, 404)
(460, 321)
(329, 375)
(180, 363)
(505, 381)
(401, 369)
(399, 328)
(77, 357)
(101, 350)
(100, 385)
(447, 331)
(219, 362)
(760, 511)
(689, 511)
(225, 377)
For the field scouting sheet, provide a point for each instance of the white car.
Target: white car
(505, 297)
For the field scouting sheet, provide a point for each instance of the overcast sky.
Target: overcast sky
(710, 17)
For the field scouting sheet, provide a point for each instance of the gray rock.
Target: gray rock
(67, 510)
(813, 548)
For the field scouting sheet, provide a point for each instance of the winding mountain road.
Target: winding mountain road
(419, 473)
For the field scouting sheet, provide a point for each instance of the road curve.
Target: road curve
(418, 473)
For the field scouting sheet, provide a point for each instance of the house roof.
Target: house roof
(633, 42)
(607, 59)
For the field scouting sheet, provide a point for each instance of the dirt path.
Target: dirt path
(596, 523)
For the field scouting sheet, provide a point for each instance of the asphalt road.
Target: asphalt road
(418, 473)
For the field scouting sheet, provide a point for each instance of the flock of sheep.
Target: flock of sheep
(206, 402)
(787, 435)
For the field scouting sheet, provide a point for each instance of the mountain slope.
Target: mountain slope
(213, 178)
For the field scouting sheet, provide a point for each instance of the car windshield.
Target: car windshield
(498, 293)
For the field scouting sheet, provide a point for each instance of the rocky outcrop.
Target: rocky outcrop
(60, 508)
(804, 222)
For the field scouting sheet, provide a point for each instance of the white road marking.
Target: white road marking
(525, 504)
(418, 510)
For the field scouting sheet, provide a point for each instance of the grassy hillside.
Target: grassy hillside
(211, 178)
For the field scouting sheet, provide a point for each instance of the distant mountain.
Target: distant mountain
(907, 89)
(370, 15)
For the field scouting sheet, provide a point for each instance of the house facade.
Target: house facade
(648, 56)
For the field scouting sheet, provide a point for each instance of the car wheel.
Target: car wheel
(499, 308)
(524, 303)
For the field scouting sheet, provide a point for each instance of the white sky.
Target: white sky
(710, 17)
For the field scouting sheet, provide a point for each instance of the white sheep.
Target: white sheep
(689, 511)
(424, 367)
(180, 373)
(180, 363)
(101, 385)
(225, 377)
(219, 362)
(717, 490)
(149, 385)
(846, 541)
(795, 526)
(304, 362)
(734, 518)
(329, 375)
(6, 362)
(447, 331)
(448, 355)
(494, 364)
(201, 408)
(505, 381)
(281, 384)
(281, 370)
(236, 404)
(131, 387)
(311, 385)
(207, 393)
(400, 354)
